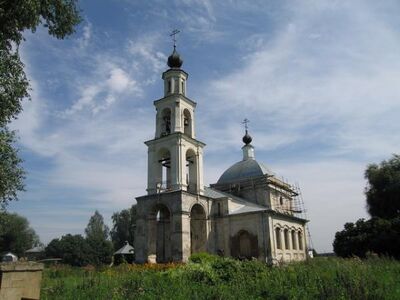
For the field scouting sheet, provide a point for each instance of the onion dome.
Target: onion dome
(247, 138)
(174, 60)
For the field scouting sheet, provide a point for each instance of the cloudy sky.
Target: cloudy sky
(319, 81)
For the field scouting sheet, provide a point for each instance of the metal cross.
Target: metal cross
(173, 35)
(245, 122)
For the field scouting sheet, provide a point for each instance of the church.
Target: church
(248, 213)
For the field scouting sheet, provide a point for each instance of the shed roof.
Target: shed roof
(126, 249)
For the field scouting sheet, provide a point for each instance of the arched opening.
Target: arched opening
(187, 122)
(191, 170)
(198, 229)
(164, 164)
(300, 238)
(278, 238)
(159, 224)
(183, 87)
(244, 244)
(166, 122)
(294, 244)
(286, 235)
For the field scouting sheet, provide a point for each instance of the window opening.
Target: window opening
(278, 238)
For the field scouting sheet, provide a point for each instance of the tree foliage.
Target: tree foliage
(73, 249)
(380, 234)
(60, 17)
(16, 235)
(11, 171)
(376, 235)
(383, 190)
(97, 234)
(123, 230)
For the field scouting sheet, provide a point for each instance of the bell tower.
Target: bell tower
(175, 157)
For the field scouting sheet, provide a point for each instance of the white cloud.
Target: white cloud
(119, 80)
(86, 36)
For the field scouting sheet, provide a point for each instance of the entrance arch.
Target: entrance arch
(198, 229)
(244, 245)
(159, 234)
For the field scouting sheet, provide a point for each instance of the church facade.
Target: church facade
(248, 213)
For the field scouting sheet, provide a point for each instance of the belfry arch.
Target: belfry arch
(191, 170)
(198, 229)
(159, 234)
(164, 169)
(166, 125)
(187, 122)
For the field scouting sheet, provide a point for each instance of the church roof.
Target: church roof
(242, 170)
(242, 206)
(247, 168)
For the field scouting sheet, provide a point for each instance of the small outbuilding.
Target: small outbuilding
(126, 253)
(36, 253)
(9, 257)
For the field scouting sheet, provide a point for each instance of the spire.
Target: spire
(174, 60)
(248, 149)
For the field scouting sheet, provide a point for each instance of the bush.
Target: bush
(203, 257)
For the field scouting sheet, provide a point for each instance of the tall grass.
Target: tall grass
(208, 277)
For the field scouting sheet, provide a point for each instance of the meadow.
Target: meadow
(209, 277)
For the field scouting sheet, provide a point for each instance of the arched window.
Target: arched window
(176, 87)
(191, 170)
(166, 122)
(187, 122)
(293, 234)
(278, 238)
(300, 238)
(169, 86)
(286, 234)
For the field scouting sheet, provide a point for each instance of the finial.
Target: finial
(173, 35)
(247, 138)
(174, 60)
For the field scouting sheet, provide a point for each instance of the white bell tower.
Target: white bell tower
(175, 157)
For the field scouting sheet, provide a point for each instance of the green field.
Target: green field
(217, 278)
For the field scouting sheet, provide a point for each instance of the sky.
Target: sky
(318, 80)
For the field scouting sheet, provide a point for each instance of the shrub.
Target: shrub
(203, 257)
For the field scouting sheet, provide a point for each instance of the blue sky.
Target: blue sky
(319, 81)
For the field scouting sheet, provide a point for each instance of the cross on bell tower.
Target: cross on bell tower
(175, 157)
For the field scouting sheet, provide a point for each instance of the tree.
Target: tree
(380, 234)
(11, 171)
(97, 234)
(383, 190)
(15, 234)
(376, 235)
(73, 249)
(60, 17)
(123, 230)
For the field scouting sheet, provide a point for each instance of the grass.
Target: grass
(208, 277)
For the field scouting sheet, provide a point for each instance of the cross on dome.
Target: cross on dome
(174, 60)
(247, 138)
